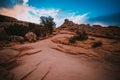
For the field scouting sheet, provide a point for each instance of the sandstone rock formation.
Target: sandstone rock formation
(95, 30)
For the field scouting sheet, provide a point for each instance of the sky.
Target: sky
(78, 11)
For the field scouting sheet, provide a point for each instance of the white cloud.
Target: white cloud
(31, 14)
(78, 18)
(25, 2)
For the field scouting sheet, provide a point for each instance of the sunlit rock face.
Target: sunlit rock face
(67, 24)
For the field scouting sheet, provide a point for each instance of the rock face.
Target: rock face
(31, 37)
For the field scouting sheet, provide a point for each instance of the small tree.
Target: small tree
(48, 23)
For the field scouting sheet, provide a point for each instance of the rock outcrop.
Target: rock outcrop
(95, 30)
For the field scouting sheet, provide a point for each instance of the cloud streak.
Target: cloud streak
(31, 14)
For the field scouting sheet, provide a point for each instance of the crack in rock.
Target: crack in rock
(36, 66)
(22, 49)
(23, 78)
(29, 53)
(43, 78)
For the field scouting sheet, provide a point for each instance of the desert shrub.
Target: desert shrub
(17, 39)
(72, 40)
(96, 44)
(17, 29)
(39, 31)
(31, 25)
(31, 37)
(80, 36)
(4, 36)
(92, 38)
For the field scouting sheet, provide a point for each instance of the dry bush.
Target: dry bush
(80, 36)
(92, 38)
(17, 29)
(4, 36)
(39, 31)
(17, 39)
(96, 44)
(31, 37)
(72, 40)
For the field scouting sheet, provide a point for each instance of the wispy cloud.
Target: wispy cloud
(31, 14)
(25, 2)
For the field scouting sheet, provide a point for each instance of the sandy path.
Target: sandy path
(50, 64)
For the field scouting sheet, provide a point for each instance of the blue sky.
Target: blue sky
(93, 7)
(79, 11)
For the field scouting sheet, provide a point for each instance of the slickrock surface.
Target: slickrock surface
(47, 60)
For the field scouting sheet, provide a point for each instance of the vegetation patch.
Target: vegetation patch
(96, 44)
(80, 36)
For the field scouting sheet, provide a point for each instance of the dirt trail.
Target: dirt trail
(50, 64)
